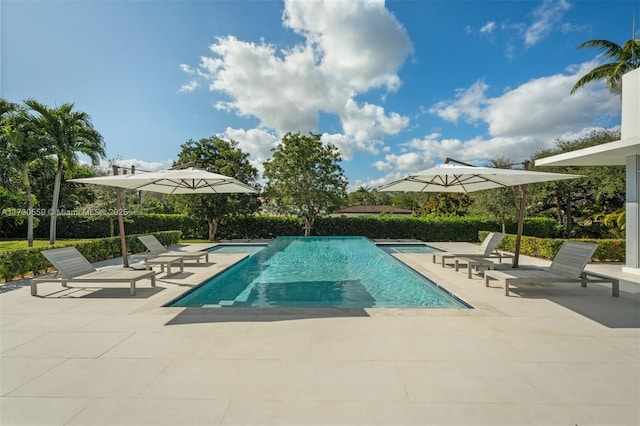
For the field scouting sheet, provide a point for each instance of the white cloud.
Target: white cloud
(488, 27)
(187, 69)
(141, 165)
(546, 17)
(359, 42)
(255, 142)
(518, 123)
(544, 106)
(349, 48)
(189, 87)
(539, 106)
(469, 103)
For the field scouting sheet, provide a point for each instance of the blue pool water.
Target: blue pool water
(320, 272)
(236, 248)
(407, 248)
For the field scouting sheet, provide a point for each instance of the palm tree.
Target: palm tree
(623, 58)
(68, 133)
(20, 148)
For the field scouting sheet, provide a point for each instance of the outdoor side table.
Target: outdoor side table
(164, 260)
(473, 262)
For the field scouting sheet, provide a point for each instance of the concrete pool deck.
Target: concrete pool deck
(558, 355)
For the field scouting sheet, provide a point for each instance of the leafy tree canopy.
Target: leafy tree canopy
(501, 204)
(304, 178)
(217, 155)
(602, 190)
(622, 59)
(67, 133)
(365, 196)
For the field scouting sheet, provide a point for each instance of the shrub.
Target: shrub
(262, 226)
(18, 263)
(547, 248)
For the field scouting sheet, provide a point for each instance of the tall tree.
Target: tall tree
(576, 201)
(68, 133)
(217, 155)
(304, 178)
(19, 147)
(444, 204)
(622, 59)
(363, 196)
(500, 204)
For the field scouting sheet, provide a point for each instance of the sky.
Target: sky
(397, 86)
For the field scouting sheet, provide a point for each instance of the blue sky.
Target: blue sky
(397, 85)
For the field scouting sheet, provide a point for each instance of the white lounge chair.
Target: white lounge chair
(485, 250)
(567, 267)
(156, 248)
(72, 266)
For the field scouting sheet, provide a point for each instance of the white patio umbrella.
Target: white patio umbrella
(174, 181)
(464, 178)
(185, 180)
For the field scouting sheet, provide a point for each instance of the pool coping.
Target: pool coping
(375, 242)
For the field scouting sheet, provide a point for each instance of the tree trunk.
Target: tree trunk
(558, 210)
(308, 224)
(213, 228)
(111, 227)
(27, 187)
(568, 213)
(54, 203)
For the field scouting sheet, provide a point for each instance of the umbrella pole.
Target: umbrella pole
(523, 204)
(123, 239)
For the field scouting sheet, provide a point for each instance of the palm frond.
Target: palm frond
(609, 48)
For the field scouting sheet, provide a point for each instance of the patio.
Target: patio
(560, 355)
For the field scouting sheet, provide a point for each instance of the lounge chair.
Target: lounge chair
(567, 267)
(72, 266)
(485, 250)
(155, 248)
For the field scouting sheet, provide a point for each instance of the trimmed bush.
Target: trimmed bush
(609, 250)
(18, 263)
(262, 226)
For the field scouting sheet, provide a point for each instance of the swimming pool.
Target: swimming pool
(237, 248)
(406, 248)
(320, 272)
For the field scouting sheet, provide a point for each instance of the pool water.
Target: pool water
(237, 248)
(407, 248)
(320, 272)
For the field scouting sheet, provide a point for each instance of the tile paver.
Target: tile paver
(543, 356)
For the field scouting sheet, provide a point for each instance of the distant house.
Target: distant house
(370, 210)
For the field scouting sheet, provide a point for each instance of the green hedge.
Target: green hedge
(18, 263)
(543, 227)
(608, 249)
(256, 227)
(263, 226)
(426, 229)
(98, 226)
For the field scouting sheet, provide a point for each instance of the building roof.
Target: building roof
(607, 154)
(371, 210)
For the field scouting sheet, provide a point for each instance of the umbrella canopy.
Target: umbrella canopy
(176, 181)
(460, 178)
(188, 180)
(450, 177)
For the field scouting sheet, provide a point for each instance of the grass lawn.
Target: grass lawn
(8, 245)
